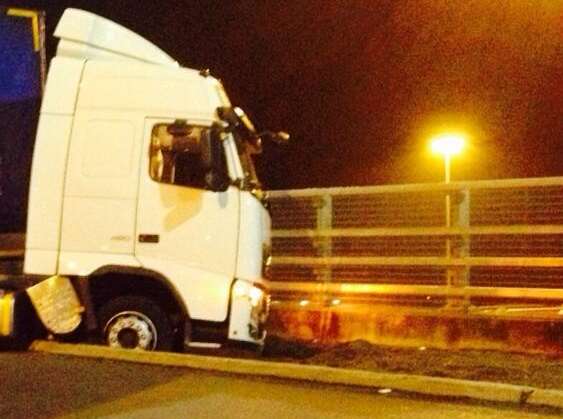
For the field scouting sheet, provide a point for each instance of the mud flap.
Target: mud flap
(57, 304)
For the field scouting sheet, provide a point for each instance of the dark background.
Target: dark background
(362, 85)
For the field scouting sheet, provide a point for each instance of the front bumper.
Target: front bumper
(250, 307)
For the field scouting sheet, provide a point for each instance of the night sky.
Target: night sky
(362, 85)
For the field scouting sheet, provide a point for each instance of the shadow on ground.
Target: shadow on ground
(45, 394)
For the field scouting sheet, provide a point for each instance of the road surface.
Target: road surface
(39, 385)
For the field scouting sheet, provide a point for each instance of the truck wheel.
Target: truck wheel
(135, 322)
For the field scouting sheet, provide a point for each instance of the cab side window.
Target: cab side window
(175, 155)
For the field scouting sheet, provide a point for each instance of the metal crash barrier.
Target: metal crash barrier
(498, 251)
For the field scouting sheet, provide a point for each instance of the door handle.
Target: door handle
(149, 238)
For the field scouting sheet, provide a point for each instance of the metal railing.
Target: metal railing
(502, 244)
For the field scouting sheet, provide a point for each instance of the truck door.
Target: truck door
(184, 232)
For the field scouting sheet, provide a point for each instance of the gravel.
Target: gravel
(536, 370)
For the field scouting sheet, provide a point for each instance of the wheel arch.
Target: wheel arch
(113, 280)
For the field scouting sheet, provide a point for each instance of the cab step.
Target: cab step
(206, 345)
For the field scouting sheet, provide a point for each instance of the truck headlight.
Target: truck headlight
(241, 289)
(247, 290)
(256, 295)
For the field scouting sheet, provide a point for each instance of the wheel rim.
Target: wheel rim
(131, 330)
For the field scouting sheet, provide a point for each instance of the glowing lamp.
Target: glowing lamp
(448, 144)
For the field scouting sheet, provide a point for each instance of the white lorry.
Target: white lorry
(146, 226)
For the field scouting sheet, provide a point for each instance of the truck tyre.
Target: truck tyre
(135, 322)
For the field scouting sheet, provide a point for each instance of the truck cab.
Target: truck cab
(143, 196)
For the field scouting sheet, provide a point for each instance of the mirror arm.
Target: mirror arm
(280, 137)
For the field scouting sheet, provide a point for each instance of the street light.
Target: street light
(448, 145)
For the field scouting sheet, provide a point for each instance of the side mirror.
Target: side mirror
(280, 137)
(213, 160)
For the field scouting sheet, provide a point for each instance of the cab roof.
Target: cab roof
(86, 35)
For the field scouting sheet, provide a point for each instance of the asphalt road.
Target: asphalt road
(38, 385)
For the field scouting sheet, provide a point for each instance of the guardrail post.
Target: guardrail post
(324, 223)
(458, 276)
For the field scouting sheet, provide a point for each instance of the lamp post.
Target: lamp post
(448, 145)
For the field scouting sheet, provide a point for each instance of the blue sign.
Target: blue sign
(20, 56)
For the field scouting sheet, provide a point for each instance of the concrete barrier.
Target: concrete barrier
(414, 327)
